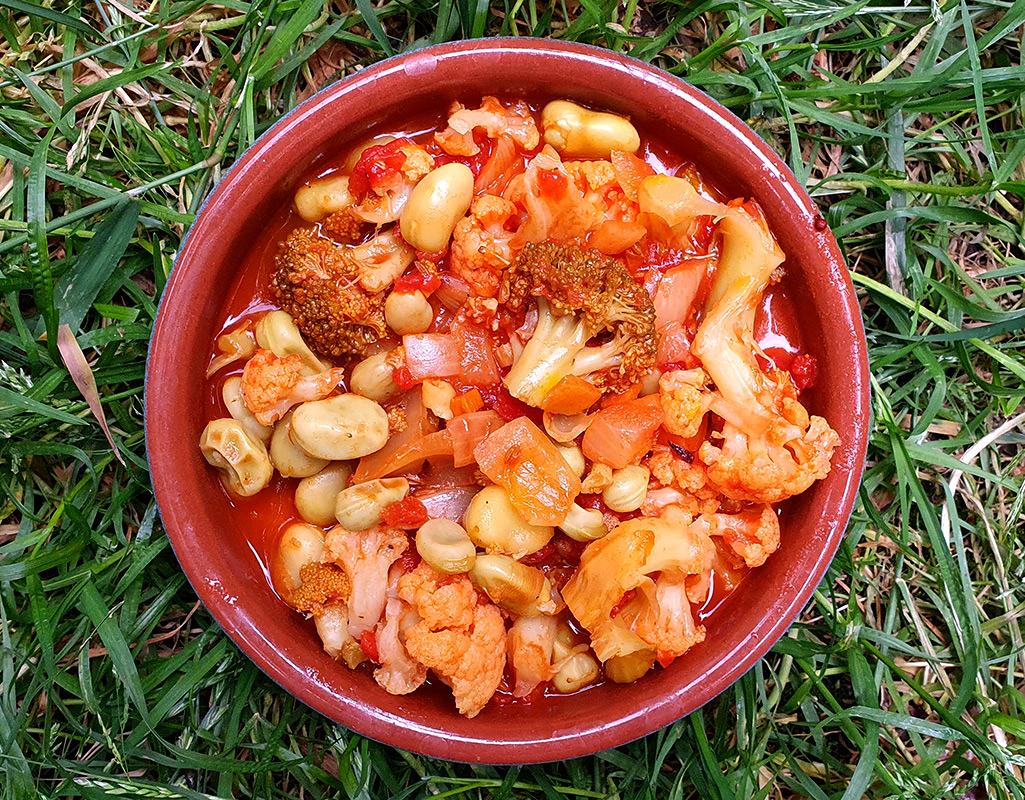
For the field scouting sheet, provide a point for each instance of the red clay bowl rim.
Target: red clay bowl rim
(393, 730)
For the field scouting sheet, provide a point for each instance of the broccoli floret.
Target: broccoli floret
(322, 584)
(581, 294)
(317, 282)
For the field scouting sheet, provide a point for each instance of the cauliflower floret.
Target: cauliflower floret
(399, 673)
(685, 400)
(271, 385)
(614, 596)
(366, 557)
(320, 585)
(771, 449)
(481, 245)
(661, 614)
(469, 658)
(443, 601)
(556, 207)
(753, 534)
(384, 177)
(595, 176)
(319, 284)
(686, 479)
(598, 182)
(783, 462)
(514, 121)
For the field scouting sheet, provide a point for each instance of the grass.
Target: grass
(903, 678)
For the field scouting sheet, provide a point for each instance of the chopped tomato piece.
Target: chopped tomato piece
(416, 280)
(519, 457)
(376, 166)
(410, 558)
(630, 171)
(507, 406)
(551, 183)
(619, 435)
(403, 379)
(615, 399)
(614, 236)
(368, 641)
(406, 513)
(805, 371)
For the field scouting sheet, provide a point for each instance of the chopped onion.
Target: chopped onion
(505, 355)
(468, 431)
(448, 503)
(418, 425)
(673, 346)
(477, 356)
(677, 291)
(453, 292)
(432, 355)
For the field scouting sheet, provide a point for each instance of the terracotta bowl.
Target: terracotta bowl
(209, 535)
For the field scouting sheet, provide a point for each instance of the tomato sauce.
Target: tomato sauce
(272, 510)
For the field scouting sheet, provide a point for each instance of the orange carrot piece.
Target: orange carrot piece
(571, 395)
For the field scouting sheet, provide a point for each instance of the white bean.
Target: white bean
(495, 525)
(580, 132)
(300, 544)
(231, 393)
(438, 396)
(584, 524)
(340, 428)
(372, 378)
(580, 670)
(408, 312)
(630, 667)
(446, 546)
(513, 586)
(437, 203)
(288, 458)
(317, 199)
(359, 507)
(628, 489)
(277, 332)
(315, 496)
(242, 460)
(574, 457)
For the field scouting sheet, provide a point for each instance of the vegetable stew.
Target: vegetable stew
(516, 398)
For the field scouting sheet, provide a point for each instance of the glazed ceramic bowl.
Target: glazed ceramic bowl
(209, 536)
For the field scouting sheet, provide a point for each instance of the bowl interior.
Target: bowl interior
(210, 535)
